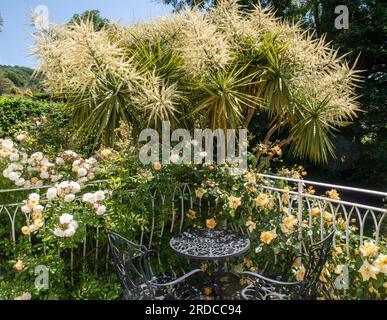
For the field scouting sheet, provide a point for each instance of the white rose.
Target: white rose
(33, 228)
(82, 181)
(69, 197)
(64, 185)
(21, 137)
(39, 184)
(45, 162)
(65, 218)
(88, 197)
(75, 187)
(69, 232)
(7, 144)
(20, 182)
(55, 177)
(34, 196)
(25, 209)
(44, 175)
(24, 158)
(59, 232)
(6, 173)
(92, 160)
(101, 210)
(27, 184)
(51, 193)
(13, 176)
(70, 153)
(37, 155)
(14, 157)
(90, 176)
(82, 172)
(59, 161)
(38, 209)
(99, 195)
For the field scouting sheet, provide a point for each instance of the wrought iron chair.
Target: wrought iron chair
(131, 262)
(264, 288)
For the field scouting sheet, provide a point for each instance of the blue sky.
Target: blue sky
(15, 40)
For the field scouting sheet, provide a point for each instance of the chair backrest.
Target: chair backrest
(316, 259)
(130, 261)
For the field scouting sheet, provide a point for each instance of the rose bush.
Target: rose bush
(64, 227)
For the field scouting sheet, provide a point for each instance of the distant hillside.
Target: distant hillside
(20, 76)
(17, 80)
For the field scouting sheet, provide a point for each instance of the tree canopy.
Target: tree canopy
(94, 16)
(221, 68)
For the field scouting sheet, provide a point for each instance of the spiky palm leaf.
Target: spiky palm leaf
(224, 96)
(313, 130)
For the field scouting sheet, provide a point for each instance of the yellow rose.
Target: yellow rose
(271, 204)
(203, 266)
(315, 212)
(333, 194)
(288, 223)
(268, 236)
(251, 178)
(157, 166)
(368, 271)
(252, 189)
(300, 273)
(191, 214)
(34, 180)
(106, 153)
(369, 249)
(381, 263)
(251, 225)
(38, 223)
(285, 198)
(262, 200)
(19, 265)
(341, 223)
(211, 223)
(248, 263)
(37, 215)
(207, 291)
(337, 251)
(310, 190)
(328, 216)
(234, 202)
(25, 230)
(33, 203)
(277, 150)
(199, 192)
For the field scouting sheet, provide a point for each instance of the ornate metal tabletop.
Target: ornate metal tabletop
(214, 244)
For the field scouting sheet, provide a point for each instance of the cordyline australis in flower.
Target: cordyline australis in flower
(208, 69)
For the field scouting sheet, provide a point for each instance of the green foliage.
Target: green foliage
(94, 16)
(20, 76)
(7, 86)
(49, 124)
(195, 69)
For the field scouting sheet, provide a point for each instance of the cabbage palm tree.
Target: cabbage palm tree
(219, 69)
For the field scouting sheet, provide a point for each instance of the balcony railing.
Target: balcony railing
(370, 219)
